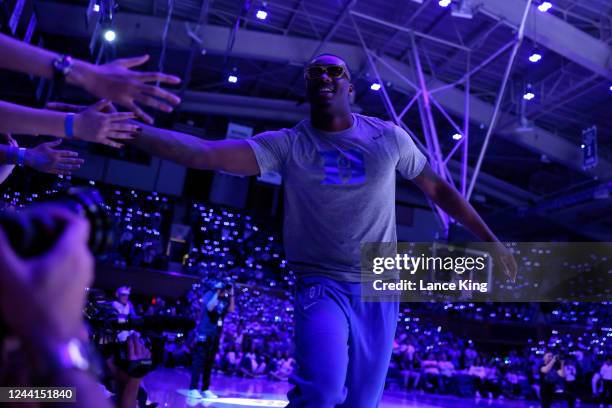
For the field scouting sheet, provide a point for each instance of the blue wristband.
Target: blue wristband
(69, 125)
(21, 156)
(12, 154)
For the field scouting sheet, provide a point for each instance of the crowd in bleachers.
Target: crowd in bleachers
(257, 338)
(427, 357)
(555, 313)
(432, 359)
(226, 242)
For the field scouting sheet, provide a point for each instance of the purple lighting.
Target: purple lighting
(545, 6)
(529, 94)
(110, 35)
(535, 57)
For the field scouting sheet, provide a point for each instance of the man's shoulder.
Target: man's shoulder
(375, 122)
(279, 135)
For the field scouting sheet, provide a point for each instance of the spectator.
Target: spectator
(569, 386)
(125, 310)
(431, 372)
(231, 360)
(253, 364)
(478, 372)
(469, 355)
(447, 370)
(512, 383)
(492, 381)
(216, 303)
(551, 375)
(284, 368)
(410, 368)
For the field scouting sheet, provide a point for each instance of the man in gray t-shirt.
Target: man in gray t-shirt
(339, 190)
(339, 172)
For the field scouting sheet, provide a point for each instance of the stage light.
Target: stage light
(582, 146)
(444, 3)
(529, 94)
(262, 12)
(545, 6)
(232, 78)
(375, 86)
(535, 57)
(110, 35)
(457, 136)
(610, 88)
(96, 8)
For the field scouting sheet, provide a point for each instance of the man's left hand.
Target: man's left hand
(506, 260)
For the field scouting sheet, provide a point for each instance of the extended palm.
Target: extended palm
(45, 158)
(116, 82)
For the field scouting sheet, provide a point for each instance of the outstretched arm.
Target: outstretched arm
(233, 156)
(114, 81)
(453, 203)
(91, 124)
(22, 57)
(6, 169)
(44, 158)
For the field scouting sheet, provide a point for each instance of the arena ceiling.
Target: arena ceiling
(534, 153)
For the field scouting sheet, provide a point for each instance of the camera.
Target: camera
(105, 326)
(30, 234)
(219, 284)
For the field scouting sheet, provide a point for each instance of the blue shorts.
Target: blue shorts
(343, 345)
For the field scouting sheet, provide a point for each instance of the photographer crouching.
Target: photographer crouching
(217, 301)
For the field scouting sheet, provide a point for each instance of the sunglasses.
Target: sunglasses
(334, 71)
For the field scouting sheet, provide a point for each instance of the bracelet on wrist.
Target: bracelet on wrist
(69, 125)
(21, 153)
(12, 154)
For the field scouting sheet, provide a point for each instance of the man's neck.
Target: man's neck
(331, 122)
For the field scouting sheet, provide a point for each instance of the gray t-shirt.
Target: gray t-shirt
(339, 190)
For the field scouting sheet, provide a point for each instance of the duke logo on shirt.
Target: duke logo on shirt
(343, 167)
